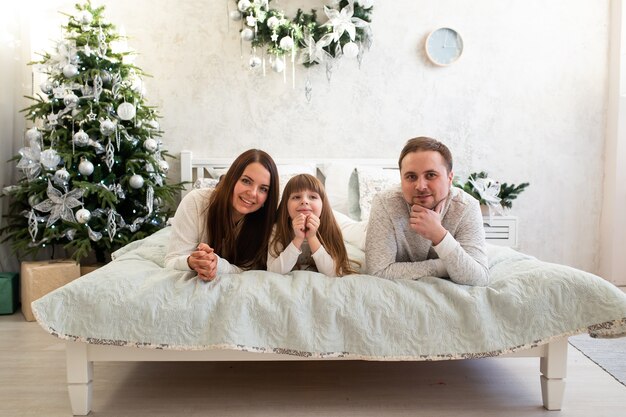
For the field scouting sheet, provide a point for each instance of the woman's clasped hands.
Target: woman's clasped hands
(204, 261)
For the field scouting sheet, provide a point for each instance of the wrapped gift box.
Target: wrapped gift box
(39, 278)
(85, 269)
(9, 292)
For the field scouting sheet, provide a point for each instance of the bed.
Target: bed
(144, 312)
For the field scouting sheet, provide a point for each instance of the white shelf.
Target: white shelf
(501, 230)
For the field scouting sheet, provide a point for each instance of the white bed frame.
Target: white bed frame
(81, 356)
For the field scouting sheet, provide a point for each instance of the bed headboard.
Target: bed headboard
(193, 168)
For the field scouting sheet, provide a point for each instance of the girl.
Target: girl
(306, 235)
(227, 230)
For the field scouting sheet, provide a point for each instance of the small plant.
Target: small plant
(505, 192)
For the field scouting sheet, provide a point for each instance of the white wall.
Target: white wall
(526, 101)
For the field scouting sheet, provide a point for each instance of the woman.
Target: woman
(227, 230)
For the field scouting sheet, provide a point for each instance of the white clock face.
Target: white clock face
(444, 46)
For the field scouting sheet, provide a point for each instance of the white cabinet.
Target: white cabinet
(501, 230)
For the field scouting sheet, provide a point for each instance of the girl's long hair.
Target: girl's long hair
(248, 248)
(328, 233)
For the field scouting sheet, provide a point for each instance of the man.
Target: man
(427, 227)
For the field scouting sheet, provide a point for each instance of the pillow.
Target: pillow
(371, 181)
(336, 178)
(353, 232)
(205, 183)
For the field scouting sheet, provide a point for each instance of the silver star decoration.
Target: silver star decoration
(60, 205)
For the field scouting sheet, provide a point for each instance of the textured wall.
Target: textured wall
(526, 101)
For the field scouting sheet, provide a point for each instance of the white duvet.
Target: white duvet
(134, 301)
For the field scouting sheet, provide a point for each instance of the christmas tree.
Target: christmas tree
(93, 165)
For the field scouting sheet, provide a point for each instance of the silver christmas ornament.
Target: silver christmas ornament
(70, 100)
(50, 158)
(70, 71)
(243, 5)
(148, 167)
(33, 134)
(247, 34)
(254, 62)
(81, 138)
(126, 111)
(83, 216)
(235, 15)
(136, 181)
(153, 124)
(107, 127)
(286, 43)
(164, 166)
(85, 167)
(278, 64)
(46, 87)
(61, 176)
(150, 145)
(272, 22)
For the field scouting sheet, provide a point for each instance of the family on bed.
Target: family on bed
(425, 227)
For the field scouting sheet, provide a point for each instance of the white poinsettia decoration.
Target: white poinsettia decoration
(313, 52)
(60, 205)
(343, 21)
(30, 163)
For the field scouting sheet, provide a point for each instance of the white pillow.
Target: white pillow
(336, 184)
(205, 183)
(371, 181)
(353, 232)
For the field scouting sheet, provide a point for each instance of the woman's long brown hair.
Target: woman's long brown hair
(328, 233)
(248, 248)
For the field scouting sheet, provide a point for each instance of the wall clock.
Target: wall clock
(444, 46)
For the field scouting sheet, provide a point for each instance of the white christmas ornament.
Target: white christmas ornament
(286, 43)
(81, 138)
(351, 50)
(33, 134)
(247, 34)
(85, 167)
(46, 87)
(61, 176)
(83, 216)
(70, 71)
(85, 17)
(50, 158)
(235, 15)
(136, 181)
(107, 127)
(278, 64)
(272, 22)
(126, 111)
(153, 124)
(164, 166)
(70, 100)
(150, 145)
(243, 5)
(255, 62)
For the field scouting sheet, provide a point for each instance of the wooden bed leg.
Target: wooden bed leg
(79, 377)
(553, 368)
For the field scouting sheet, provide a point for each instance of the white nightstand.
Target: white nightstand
(501, 230)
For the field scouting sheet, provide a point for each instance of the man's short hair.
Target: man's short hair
(424, 143)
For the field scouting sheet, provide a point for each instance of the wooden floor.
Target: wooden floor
(32, 383)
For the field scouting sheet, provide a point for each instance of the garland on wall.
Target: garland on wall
(303, 40)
